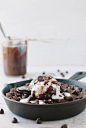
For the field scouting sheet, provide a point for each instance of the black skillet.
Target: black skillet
(47, 111)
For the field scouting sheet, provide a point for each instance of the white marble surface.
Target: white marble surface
(5, 119)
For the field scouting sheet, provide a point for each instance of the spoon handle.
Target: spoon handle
(2, 30)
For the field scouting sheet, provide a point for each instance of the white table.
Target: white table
(78, 121)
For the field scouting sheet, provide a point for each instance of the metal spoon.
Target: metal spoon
(2, 30)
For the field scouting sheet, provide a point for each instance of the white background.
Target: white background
(56, 29)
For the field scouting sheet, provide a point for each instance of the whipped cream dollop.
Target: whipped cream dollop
(41, 86)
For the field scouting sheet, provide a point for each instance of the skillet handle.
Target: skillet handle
(78, 75)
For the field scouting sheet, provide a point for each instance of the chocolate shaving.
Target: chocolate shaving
(46, 82)
(54, 82)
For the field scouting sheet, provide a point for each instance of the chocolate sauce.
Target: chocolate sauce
(14, 60)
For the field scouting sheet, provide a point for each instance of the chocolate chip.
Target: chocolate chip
(80, 95)
(62, 74)
(74, 92)
(43, 73)
(60, 96)
(30, 98)
(49, 89)
(66, 71)
(58, 70)
(61, 89)
(1, 111)
(54, 82)
(33, 94)
(23, 76)
(41, 96)
(27, 84)
(17, 99)
(47, 96)
(14, 120)
(68, 98)
(40, 78)
(38, 121)
(64, 126)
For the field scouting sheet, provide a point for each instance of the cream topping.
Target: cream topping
(41, 102)
(39, 87)
(67, 94)
(58, 94)
(24, 100)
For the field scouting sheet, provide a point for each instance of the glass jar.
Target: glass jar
(14, 56)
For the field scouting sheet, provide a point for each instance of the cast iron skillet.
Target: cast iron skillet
(47, 111)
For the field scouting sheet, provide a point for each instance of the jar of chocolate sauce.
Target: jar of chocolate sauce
(14, 56)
